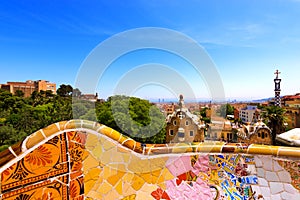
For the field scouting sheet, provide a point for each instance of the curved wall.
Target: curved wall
(85, 160)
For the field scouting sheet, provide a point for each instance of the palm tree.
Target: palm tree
(274, 118)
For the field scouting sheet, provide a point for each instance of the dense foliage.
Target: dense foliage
(274, 118)
(20, 116)
(225, 109)
(133, 117)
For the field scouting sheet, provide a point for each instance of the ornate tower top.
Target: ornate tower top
(181, 101)
(277, 89)
(277, 73)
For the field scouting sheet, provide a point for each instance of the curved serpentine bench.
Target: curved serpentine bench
(80, 159)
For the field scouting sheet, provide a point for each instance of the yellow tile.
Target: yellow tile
(115, 135)
(128, 177)
(129, 197)
(127, 189)
(148, 187)
(88, 185)
(210, 147)
(155, 176)
(165, 175)
(289, 151)
(106, 131)
(138, 165)
(89, 125)
(70, 125)
(122, 138)
(107, 144)
(262, 149)
(157, 163)
(144, 196)
(62, 125)
(115, 178)
(137, 182)
(162, 185)
(111, 195)
(92, 174)
(126, 157)
(34, 139)
(89, 163)
(108, 172)
(106, 157)
(180, 148)
(85, 154)
(119, 187)
(49, 130)
(146, 176)
(91, 141)
(97, 151)
(104, 188)
(123, 150)
(94, 195)
(130, 143)
(116, 157)
(119, 167)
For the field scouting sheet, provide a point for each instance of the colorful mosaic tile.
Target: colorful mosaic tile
(86, 160)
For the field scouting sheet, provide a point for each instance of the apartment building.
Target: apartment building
(29, 87)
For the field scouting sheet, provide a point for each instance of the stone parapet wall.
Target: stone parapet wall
(86, 160)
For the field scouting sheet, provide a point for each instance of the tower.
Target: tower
(277, 89)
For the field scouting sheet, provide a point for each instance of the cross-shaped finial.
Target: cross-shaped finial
(277, 73)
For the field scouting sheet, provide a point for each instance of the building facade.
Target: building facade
(258, 133)
(291, 103)
(250, 114)
(29, 87)
(183, 126)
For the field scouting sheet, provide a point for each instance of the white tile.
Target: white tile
(260, 172)
(258, 162)
(276, 166)
(256, 189)
(276, 187)
(276, 197)
(286, 196)
(284, 176)
(271, 176)
(265, 191)
(267, 163)
(289, 188)
(263, 182)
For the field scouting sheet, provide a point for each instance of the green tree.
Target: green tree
(19, 93)
(203, 115)
(134, 117)
(64, 90)
(5, 134)
(225, 109)
(76, 92)
(274, 118)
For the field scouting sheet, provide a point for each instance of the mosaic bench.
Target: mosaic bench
(80, 159)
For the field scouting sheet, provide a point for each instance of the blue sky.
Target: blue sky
(247, 41)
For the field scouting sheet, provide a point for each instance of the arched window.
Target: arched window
(174, 122)
(258, 134)
(187, 122)
(262, 135)
(191, 133)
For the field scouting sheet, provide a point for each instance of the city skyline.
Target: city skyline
(246, 40)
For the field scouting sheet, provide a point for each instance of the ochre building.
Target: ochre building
(29, 87)
(183, 126)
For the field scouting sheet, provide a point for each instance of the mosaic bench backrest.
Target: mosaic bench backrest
(85, 160)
